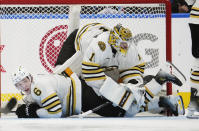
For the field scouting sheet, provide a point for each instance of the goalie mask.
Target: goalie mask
(120, 38)
(22, 79)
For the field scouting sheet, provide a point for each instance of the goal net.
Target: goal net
(32, 33)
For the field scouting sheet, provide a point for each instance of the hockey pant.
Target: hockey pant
(194, 28)
(91, 100)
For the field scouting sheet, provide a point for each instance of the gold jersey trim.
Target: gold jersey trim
(90, 64)
(128, 76)
(95, 78)
(92, 71)
(53, 104)
(48, 98)
(74, 96)
(149, 92)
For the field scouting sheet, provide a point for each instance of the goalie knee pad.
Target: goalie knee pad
(152, 88)
(153, 106)
(116, 94)
(27, 111)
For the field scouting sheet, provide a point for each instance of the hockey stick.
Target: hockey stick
(177, 70)
(9, 106)
(94, 110)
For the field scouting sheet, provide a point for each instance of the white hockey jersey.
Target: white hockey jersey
(194, 14)
(86, 34)
(100, 56)
(59, 96)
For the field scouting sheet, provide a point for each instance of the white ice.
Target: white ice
(139, 123)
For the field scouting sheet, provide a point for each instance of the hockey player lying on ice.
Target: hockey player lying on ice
(54, 96)
(105, 49)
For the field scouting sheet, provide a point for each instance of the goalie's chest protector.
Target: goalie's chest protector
(67, 89)
(105, 55)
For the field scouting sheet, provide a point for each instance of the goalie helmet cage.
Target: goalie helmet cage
(94, 10)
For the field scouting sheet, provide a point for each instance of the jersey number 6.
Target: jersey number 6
(37, 91)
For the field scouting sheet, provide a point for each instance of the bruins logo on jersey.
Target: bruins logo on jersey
(102, 45)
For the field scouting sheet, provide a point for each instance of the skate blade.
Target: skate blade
(192, 117)
(181, 103)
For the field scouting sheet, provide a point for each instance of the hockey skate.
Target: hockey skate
(173, 103)
(176, 77)
(163, 77)
(193, 109)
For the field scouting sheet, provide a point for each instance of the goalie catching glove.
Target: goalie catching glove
(27, 111)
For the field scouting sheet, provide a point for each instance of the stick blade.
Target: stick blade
(11, 104)
(176, 72)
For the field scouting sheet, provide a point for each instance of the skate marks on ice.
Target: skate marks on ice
(139, 123)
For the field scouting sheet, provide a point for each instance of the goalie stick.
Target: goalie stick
(172, 65)
(9, 106)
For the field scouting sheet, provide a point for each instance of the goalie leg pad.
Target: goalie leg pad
(153, 106)
(116, 94)
(152, 89)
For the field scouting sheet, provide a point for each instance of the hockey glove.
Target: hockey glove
(27, 111)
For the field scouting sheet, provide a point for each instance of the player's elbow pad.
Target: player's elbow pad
(43, 113)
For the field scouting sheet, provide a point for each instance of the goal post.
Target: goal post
(33, 32)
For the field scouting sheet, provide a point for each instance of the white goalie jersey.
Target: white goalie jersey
(57, 95)
(100, 56)
(86, 34)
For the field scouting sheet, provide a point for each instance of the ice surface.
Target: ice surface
(139, 123)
